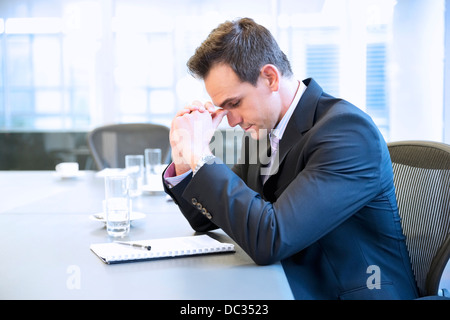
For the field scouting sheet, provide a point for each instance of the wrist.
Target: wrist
(181, 169)
(197, 155)
(206, 158)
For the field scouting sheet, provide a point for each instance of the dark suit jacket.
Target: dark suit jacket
(329, 213)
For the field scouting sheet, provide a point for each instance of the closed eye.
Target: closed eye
(230, 103)
(234, 104)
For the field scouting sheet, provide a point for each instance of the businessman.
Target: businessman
(324, 204)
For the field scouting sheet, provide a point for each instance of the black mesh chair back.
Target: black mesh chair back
(111, 143)
(422, 182)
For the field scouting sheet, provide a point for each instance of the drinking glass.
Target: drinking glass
(152, 163)
(134, 165)
(117, 205)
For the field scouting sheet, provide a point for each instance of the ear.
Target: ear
(271, 74)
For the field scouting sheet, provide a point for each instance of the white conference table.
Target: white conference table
(46, 233)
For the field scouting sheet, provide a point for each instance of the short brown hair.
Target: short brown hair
(242, 44)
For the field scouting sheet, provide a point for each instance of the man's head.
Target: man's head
(243, 45)
(244, 71)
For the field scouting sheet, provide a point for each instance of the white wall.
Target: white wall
(417, 77)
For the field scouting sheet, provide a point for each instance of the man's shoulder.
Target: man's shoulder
(330, 107)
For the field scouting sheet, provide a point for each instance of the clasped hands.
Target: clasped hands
(191, 132)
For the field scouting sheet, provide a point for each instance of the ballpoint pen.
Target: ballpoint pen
(135, 245)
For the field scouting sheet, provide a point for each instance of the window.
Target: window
(343, 46)
(44, 86)
(322, 63)
(376, 92)
(74, 65)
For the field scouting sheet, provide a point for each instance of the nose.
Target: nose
(233, 118)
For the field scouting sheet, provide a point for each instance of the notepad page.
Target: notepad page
(161, 248)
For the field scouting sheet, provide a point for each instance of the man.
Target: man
(324, 205)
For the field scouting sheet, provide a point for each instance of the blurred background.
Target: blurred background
(69, 66)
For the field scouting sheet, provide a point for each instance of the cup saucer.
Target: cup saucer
(68, 175)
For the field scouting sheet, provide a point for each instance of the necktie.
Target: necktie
(274, 142)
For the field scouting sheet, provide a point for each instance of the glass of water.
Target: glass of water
(117, 205)
(153, 160)
(134, 165)
(152, 163)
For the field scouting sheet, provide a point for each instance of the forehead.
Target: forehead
(223, 84)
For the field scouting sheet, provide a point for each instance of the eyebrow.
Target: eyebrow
(228, 100)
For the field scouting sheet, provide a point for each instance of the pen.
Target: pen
(136, 245)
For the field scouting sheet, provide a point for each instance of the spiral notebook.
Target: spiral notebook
(160, 248)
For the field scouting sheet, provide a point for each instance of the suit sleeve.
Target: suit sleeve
(339, 175)
(191, 212)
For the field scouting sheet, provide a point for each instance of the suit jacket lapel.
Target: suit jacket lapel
(301, 121)
(303, 117)
(256, 150)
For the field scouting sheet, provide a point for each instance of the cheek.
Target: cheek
(260, 117)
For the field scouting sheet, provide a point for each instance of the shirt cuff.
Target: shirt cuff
(171, 178)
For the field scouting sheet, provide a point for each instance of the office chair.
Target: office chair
(422, 182)
(111, 143)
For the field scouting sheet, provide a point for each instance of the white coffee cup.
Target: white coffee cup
(67, 169)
